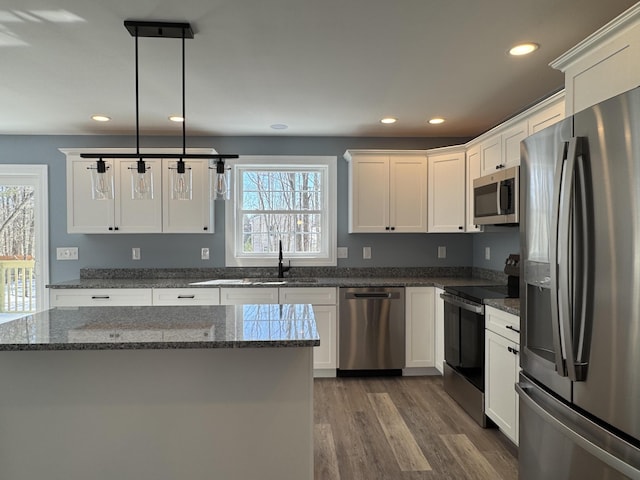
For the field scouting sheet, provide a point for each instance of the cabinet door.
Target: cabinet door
(136, 215)
(439, 336)
(546, 117)
(501, 374)
(408, 194)
(473, 172)
(420, 328)
(191, 215)
(446, 193)
(511, 139)
(369, 193)
(324, 355)
(84, 214)
(503, 323)
(491, 154)
(248, 295)
(313, 295)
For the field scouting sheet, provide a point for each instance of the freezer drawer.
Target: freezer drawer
(556, 442)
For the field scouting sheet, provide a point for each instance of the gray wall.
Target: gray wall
(108, 251)
(502, 241)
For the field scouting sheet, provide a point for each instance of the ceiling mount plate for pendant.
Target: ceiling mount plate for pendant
(158, 29)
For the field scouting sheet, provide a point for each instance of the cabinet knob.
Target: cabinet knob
(386, 228)
(116, 228)
(393, 228)
(110, 228)
(205, 228)
(460, 228)
(513, 350)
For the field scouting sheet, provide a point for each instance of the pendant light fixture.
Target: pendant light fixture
(141, 174)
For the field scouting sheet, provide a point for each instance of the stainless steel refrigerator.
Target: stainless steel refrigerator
(579, 388)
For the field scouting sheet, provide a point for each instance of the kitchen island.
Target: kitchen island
(193, 393)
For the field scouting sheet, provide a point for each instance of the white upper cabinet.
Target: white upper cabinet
(189, 214)
(123, 213)
(387, 191)
(473, 172)
(447, 190)
(605, 64)
(551, 111)
(120, 214)
(502, 149)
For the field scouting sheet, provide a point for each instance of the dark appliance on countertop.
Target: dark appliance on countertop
(372, 331)
(579, 387)
(512, 269)
(464, 345)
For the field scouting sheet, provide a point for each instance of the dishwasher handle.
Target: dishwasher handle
(464, 304)
(372, 295)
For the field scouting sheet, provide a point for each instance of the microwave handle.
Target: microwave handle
(499, 198)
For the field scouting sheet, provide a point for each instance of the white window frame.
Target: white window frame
(233, 226)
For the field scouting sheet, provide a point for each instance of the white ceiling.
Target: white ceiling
(322, 67)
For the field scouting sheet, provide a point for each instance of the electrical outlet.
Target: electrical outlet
(67, 253)
(135, 253)
(442, 252)
(343, 252)
(366, 253)
(487, 253)
(204, 254)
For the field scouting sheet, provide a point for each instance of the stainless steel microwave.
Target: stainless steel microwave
(495, 198)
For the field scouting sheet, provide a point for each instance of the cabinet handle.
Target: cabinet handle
(186, 296)
(513, 350)
(100, 297)
(511, 327)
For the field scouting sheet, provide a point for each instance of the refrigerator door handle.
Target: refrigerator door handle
(593, 449)
(557, 256)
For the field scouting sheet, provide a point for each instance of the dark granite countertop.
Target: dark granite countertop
(159, 327)
(440, 282)
(509, 305)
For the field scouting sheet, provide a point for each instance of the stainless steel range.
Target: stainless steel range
(464, 345)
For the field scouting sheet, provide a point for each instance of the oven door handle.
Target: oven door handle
(472, 307)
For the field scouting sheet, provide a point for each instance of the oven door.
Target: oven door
(464, 338)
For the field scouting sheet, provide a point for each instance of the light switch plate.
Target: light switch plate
(343, 252)
(135, 253)
(487, 253)
(366, 253)
(67, 253)
(204, 254)
(442, 252)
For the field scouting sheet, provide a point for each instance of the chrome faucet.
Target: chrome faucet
(281, 267)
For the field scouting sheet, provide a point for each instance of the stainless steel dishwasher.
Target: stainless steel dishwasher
(372, 330)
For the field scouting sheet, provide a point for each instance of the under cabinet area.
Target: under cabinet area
(387, 191)
(446, 190)
(164, 212)
(502, 365)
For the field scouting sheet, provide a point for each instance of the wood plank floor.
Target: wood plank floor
(397, 428)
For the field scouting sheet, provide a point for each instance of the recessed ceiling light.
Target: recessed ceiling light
(176, 118)
(279, 126)
(389, 120)
(523, 49)
(100, 118)
(436, 121)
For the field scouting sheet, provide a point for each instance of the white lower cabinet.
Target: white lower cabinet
(186, 296)
(502, 365)
(439, 330)
(247, 295)
(419, 326)
(96, 297)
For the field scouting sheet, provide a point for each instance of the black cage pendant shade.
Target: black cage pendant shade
(141, 173)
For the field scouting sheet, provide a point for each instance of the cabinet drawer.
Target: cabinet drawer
(313, 295)
(189, 335)
(186, 296)
(93, 297)
(248, 295)
(503, 323)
